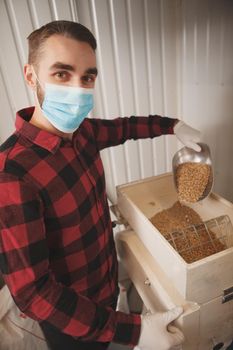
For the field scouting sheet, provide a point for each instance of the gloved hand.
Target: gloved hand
(187, 135)
(155, 332)
(122, 302)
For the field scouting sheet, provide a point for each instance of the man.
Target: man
(57, 252)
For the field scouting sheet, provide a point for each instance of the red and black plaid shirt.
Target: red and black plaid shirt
(57, 252)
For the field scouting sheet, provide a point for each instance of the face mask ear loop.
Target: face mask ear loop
(41, 85)
(35, 92)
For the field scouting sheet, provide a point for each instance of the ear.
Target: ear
(29, 76)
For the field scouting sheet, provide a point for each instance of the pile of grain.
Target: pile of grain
(192, 180)
(175, 225)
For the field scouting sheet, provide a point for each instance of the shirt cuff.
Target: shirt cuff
(128, 328)
(169, 124)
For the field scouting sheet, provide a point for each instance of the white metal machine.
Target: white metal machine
(162, 277)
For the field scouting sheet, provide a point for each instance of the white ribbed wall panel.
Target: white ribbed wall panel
(205, 65)
(168, 57)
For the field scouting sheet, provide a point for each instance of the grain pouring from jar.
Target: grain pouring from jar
(193, 174)
(192, 180)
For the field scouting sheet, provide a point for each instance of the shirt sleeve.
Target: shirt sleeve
(24, 263)
(113, 132)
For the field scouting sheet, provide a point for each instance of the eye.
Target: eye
(63, 75)
(90, 78)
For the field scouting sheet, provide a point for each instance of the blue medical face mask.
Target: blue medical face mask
(66, 106)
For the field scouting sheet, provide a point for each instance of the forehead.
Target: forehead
(59, 48)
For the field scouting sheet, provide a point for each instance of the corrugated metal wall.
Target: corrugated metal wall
(168, 57)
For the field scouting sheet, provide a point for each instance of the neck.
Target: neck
(41, 122)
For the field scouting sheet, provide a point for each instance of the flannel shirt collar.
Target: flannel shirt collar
(42, 138)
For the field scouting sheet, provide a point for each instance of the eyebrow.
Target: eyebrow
(60, 65)
(93, 71)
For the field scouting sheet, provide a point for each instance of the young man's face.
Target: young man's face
(65, 61)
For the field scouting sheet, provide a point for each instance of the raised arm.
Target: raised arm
(113, 132)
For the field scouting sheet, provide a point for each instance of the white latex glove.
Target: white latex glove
(187, 135)
(155, 333)
(122, 302)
